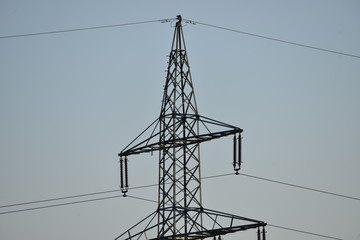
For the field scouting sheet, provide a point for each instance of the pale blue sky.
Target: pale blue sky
(70, 102)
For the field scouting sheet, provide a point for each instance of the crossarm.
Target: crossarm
(178, 142)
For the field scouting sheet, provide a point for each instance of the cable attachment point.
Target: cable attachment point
(179, 18)
(189, 21)
(167, 20)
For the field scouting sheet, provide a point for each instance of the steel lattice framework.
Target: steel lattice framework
(177, 134)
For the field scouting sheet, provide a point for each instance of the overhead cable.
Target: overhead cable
(154, 185)
(60, 204)
(305, 232)
(188, 21)
(140, 198)
(59, 198)
(73, 196)
(302, 187)
(270, 225)
(272, 39)
(84, 29)
(153, 201)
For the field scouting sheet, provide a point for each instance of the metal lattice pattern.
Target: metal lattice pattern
(179, 177)
(177, 135)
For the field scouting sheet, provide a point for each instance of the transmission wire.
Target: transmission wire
(84, 29)
(270, 225)
(154, 185)
(60, 204)
(302, 187)
(305, 232)
(187, 21)
(272, 39)
(153, 201)
(59, 198)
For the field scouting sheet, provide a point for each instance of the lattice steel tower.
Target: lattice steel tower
(177, 134)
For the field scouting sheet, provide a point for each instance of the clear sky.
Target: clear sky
(70, 102)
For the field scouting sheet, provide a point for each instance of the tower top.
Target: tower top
(179, 18)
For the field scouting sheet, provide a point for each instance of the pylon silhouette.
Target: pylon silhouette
(177, 134)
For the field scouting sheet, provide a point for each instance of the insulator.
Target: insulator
(126, 174)
(234, 153)
(121, 174)
(263, 234)
(124, 185)
(239, 152)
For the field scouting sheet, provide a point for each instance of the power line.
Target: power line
(306, 232)
(219, 175)
(188, 21)
(271, 225)
(143, 199)
(153, 201)
(154, 185)
(59, 198)
(74, 196)
(70, 203)
(272, 39)
(287, 184)
(60, 204)
(75, 202)
(298, 186)
(69, 197)
(84, 29)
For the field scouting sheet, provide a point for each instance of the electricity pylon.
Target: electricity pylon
(177, 134)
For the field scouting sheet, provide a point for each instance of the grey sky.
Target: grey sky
(70, 102)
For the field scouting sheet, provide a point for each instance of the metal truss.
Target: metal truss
(177, 134)
(189, 121)
(215, 224)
